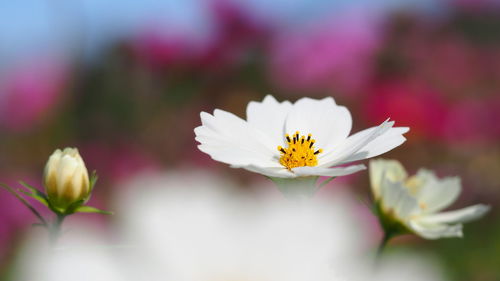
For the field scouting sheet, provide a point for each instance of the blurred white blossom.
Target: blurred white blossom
(191, 227)
(413, 204)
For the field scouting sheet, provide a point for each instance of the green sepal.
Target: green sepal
(391, 226)
(35, 193)
(92, 181)
(297, 188)
(71, 208)
(89, 209)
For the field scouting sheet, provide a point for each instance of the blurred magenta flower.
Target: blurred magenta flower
(451, 62)
(157, 51)
(236, 35)
(473, 121)
(477, 4)
(332, 55)
(118, 161)
(29, 92)
(172, 31)
(413, 105)
(14, 216)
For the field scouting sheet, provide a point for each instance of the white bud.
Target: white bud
(66, 178)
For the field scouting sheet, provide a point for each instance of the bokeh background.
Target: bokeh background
(124, 81)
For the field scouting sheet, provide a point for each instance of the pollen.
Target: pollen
(300, 151)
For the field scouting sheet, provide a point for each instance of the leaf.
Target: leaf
(33, 190)
(37, 197)
(35, 193)
(25, 203)
(93, 180)
(89, 209)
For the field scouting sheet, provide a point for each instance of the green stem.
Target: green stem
(26, 203)
(383, 243)
(55, 230)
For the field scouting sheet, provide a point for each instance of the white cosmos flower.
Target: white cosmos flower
(415, 203)
(285, 140)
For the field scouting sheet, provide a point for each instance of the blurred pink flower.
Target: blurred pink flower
(157, 50)
(14, 216)
(117, 161)
(415, 106)
(29, 92)
(453, 63)
(477, 4)
(236, 35)
(473, 121)
(333, 55)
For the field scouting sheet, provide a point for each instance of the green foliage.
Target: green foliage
(35, 193)
(89, 209)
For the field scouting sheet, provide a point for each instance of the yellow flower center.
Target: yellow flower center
(300, 152)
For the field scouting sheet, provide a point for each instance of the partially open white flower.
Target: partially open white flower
(286, 140)
(66, 178)
(414, 203)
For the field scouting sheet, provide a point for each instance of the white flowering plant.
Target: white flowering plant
(414, 204)
(68, 187)
(294, 142)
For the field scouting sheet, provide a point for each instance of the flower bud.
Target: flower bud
(66, 178)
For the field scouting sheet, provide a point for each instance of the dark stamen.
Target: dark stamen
(317, 152)
(311, 144)
(309, 138)
(288, 139)
(283, 150)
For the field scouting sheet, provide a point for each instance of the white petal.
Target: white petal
(269, 171)
(457, 216)
(328, 172)
(53, 164)
(233, 155)
(353, 144)
(435, 230)
(381, 168)
(433, 193)
(328, 123)
(385, 142)
(65, 172)
(395, 198)
(229, 139)
(77, 182)
(269, 116)
(406, 206)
